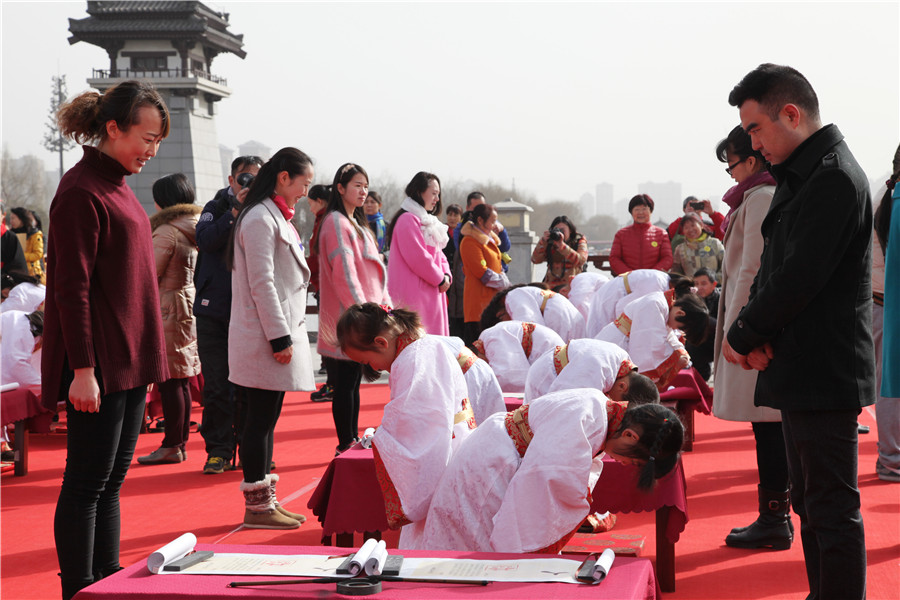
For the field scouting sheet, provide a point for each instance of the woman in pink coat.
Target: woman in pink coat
(350, 272)
(418, 272)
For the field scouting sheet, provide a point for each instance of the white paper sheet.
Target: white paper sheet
(172, 551)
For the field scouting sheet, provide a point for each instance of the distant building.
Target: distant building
(254, 148)
(226, 155)
(172, 45)
(587, 205)
(667, 198)
(603, 199)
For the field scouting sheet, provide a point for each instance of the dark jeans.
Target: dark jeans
(822, 453)
(771, 456)
(328, 364)
(176, 406)
(99, 448)
(457, 327)
(345, 404)
(258, 437)
(223, 404)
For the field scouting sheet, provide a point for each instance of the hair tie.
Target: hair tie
(890, 183)
(387, 309)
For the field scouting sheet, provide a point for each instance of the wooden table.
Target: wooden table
(18, 407)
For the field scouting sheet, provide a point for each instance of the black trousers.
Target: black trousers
(471, 331)
(223, 404)
(347, 375)
(176, 406)
(258, 437)
(771, 456)
(99, 448)
(822, 452)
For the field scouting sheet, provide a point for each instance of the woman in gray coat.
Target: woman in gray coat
(749, 202)
(268, 348)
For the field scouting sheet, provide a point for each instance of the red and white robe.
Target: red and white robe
(511, 347)
(426, 419)
(578, 364)
(522, 481)
(642, 330)
(485, 393)
(534, 305)
(610, 299)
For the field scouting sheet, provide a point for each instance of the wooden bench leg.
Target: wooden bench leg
(21, 448)
(665, 552)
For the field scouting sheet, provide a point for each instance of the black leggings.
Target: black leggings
(176, 406)
(771, 456)
(258, 437)
(347, 375)
(99, 448)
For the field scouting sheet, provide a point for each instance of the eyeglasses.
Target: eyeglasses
(730, 168)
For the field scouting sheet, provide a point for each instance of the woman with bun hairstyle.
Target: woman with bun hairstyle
(640, 245)
(103, 334)
(268, 346)
(350, 272)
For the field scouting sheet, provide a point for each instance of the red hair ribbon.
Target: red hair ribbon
(387, 309)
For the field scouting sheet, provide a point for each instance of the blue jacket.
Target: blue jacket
(211, 278)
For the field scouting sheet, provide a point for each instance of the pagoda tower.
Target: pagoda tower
(171, 45)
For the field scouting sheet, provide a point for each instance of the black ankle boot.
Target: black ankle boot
(772, 529)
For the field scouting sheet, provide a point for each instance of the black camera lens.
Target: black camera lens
(697, 205)
(556, 235)
(245, 179)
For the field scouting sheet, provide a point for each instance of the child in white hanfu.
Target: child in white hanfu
(584, 287)
(590, 363)
(522, 482)
(485, 393)
(610, 299)
(427, 417)
(646, 331)
(510, 348)
(532, 303)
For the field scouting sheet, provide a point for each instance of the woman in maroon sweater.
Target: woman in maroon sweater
(103, 336)
(640, 245)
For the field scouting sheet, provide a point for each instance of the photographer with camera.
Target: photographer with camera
(565, 251)
(212, 307)
(692, 205)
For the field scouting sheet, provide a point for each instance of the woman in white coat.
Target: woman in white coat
(268, 348)
(733, 396)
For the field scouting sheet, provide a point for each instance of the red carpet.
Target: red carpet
(160, 503)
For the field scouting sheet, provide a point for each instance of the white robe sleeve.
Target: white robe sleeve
(415, 438)
(592, 363)
(17, 349)
(503, 348)
(524, 304)
(548, 495)
(651, 343)
(563, 318)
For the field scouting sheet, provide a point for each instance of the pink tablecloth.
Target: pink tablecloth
(689, 389)
(630, 578)
(20, 404)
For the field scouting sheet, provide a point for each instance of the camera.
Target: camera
(245, 179)
(697, 205)
(556, 235)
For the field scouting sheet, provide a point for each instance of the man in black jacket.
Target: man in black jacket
(212, 307)
(807, 324)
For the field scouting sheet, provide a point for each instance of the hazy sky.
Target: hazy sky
(555, 96)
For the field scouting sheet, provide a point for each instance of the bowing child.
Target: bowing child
(610, 300)
(590, 363)
(427, 417)
(510, 348)
(522, 481)
(535, 304)
(646, 330)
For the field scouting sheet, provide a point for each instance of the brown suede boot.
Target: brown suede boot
(260, 511)
(273, 479)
